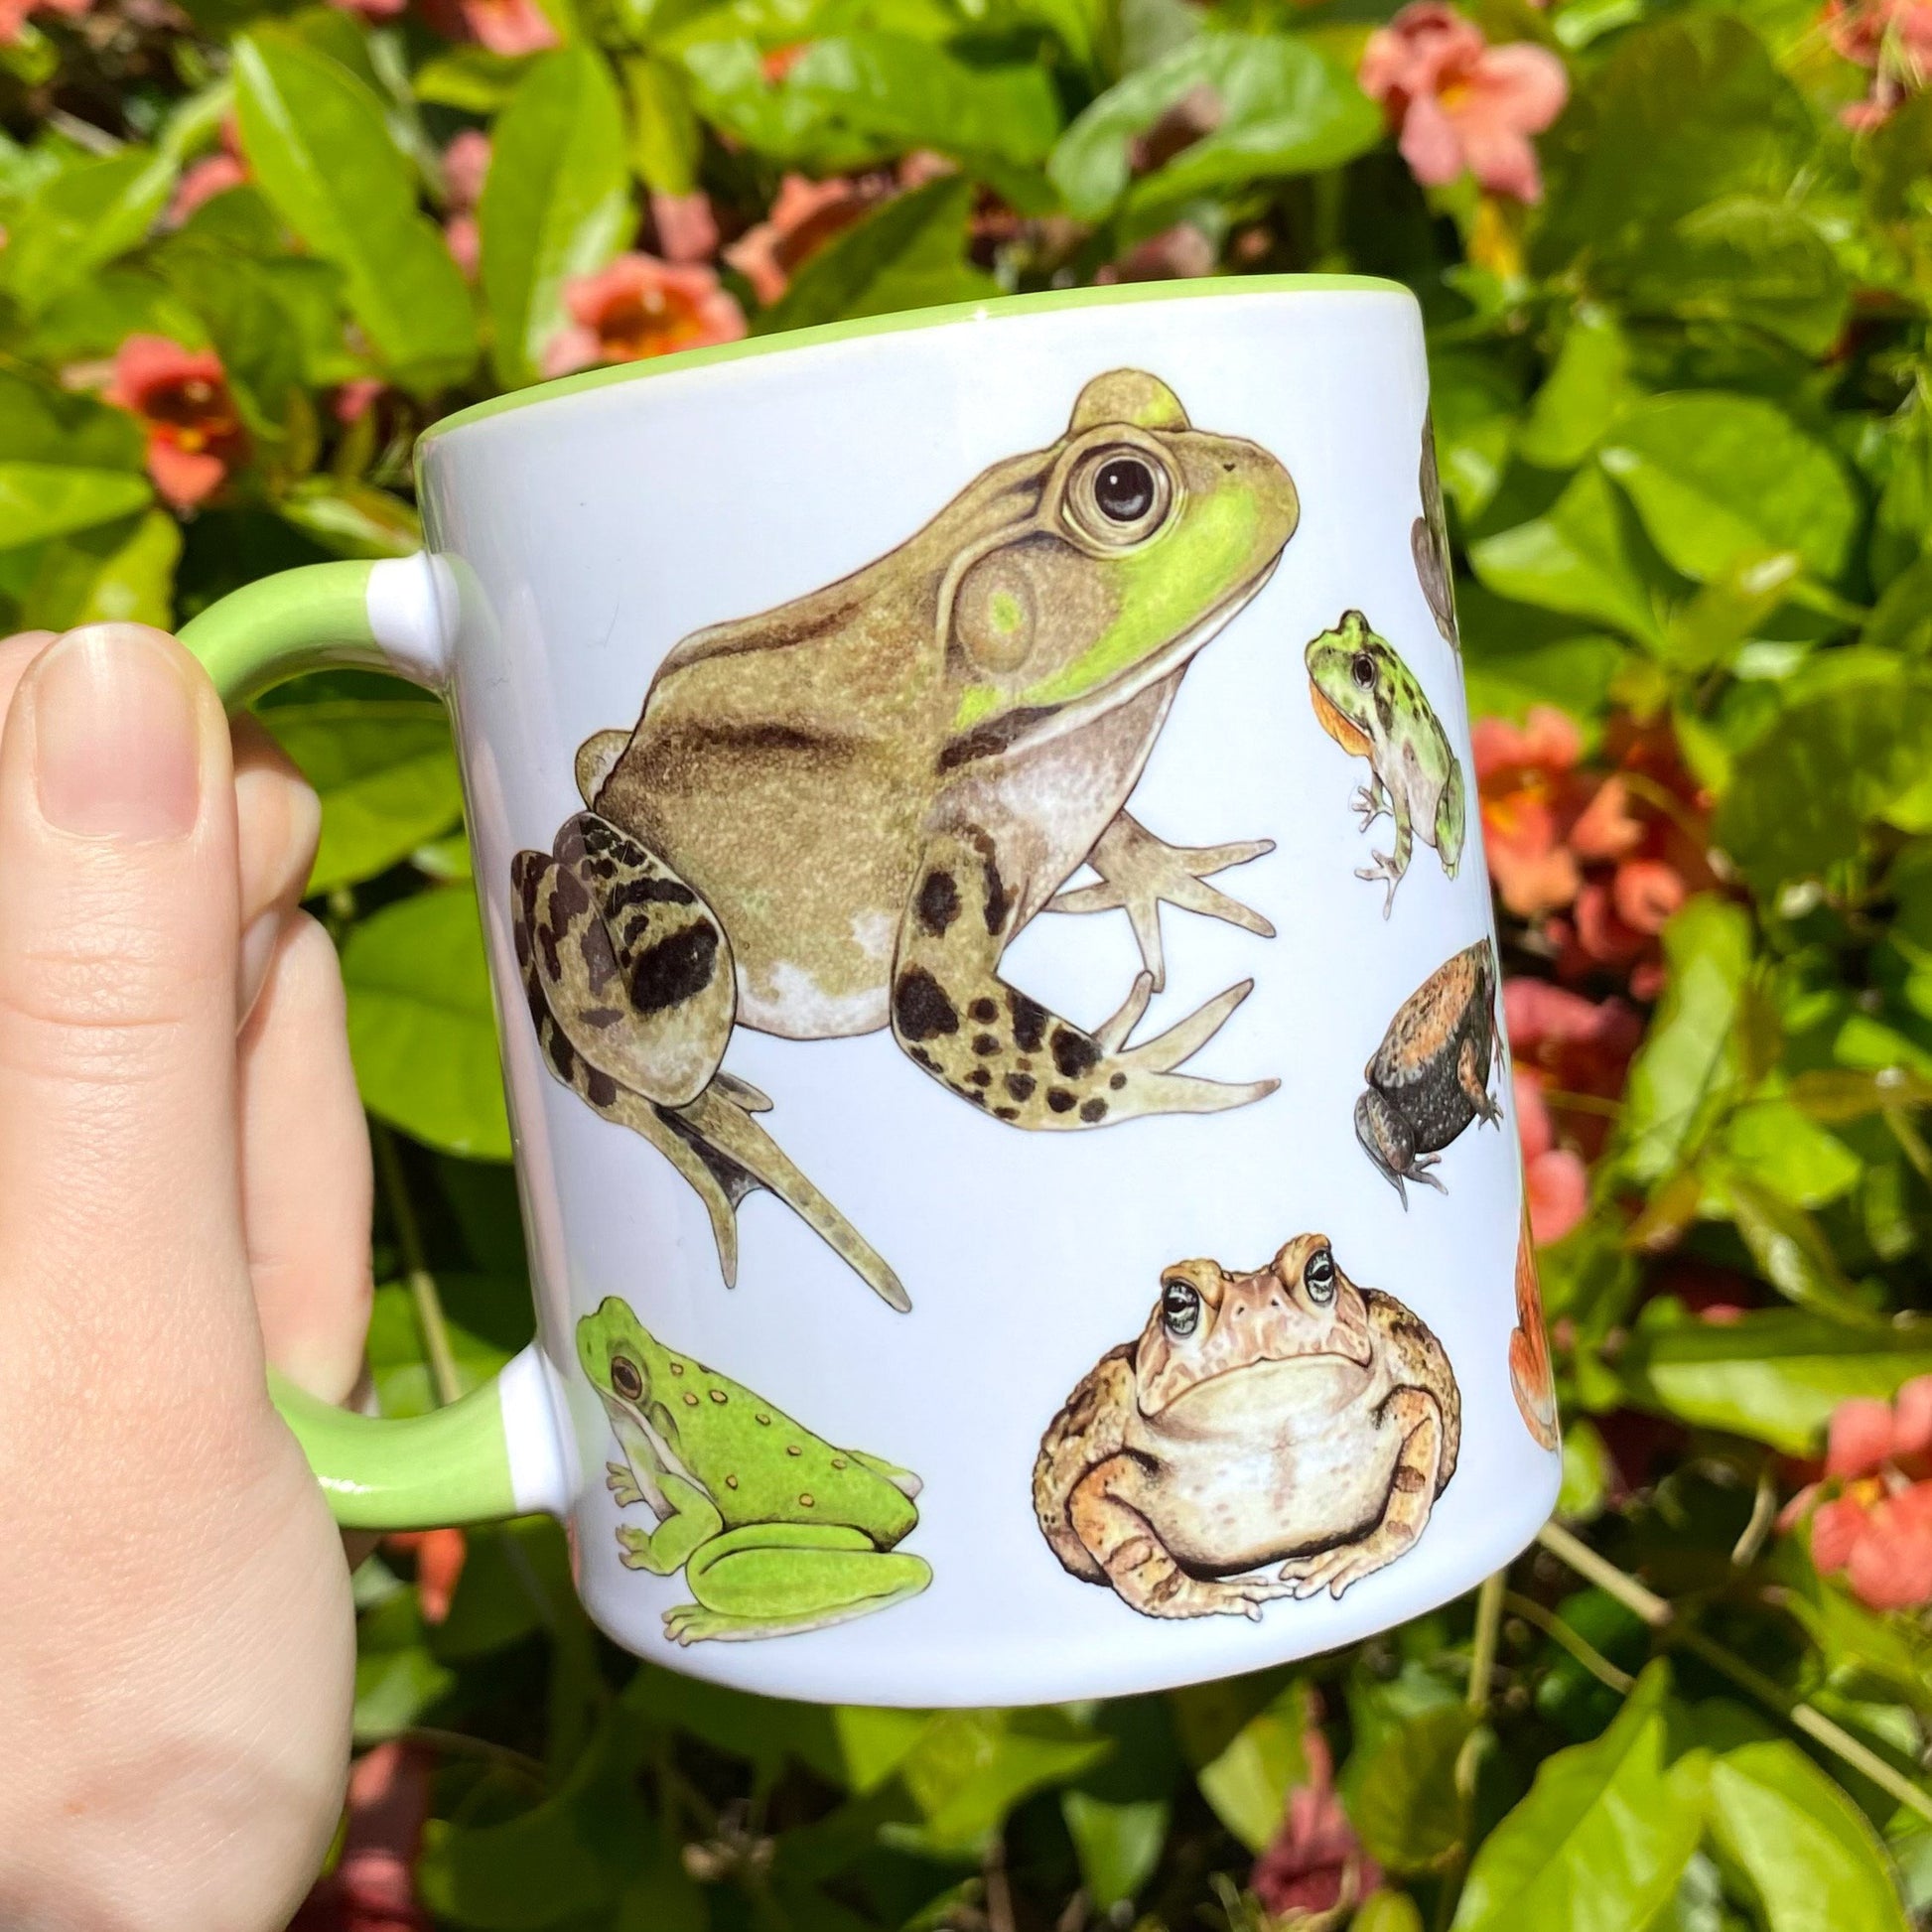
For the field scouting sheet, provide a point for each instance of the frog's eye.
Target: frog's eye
(1362, 670)
(1179, 1307)
(626, 1377)
(1119, 495)
(1319, 1277)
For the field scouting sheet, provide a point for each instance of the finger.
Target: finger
(304, 1167)
(16, 653)
(280, 820)
(117, 1017)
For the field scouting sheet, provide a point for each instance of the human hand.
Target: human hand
(183, 1190)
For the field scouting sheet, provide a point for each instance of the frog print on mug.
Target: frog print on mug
(836, 816)
(1429, 1077)
(1281, 1417)
(775, 1530)
(1530, 1376)
(1369, 702)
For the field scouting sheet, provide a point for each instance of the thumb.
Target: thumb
(121, 1246)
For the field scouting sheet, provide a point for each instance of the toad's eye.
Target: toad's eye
(1179, 1307)
(1119, 495)
(1124, 490)
(1363, 669)
(1320, 1277)
(626, 1377)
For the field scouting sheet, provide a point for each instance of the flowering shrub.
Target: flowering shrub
(1676, 264)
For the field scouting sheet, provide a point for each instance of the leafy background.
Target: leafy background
(1681, 400)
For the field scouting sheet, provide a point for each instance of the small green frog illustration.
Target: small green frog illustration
(775, 1530)
(838, 815)
(1369, 702)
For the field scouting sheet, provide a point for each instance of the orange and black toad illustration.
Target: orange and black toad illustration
(1529, 1375)
(1429, 1077)
(1281, 1417)
(836, 816)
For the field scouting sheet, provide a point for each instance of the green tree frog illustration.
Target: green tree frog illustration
(838, 815)
(1369, 702)
(775, 1530)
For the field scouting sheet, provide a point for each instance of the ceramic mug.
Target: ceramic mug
(978, 850)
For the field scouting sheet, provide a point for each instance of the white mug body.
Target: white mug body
(791, 687)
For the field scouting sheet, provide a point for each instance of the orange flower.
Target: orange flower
(373, 1885)
(1562, 1045)
(805, 216)
(13, 14)
(1461, 104)
(1315, 1861)
(180, 395)
(1555, 1182)
(466, 167)
(687, 230)
(440, 1555)
(1530, 798)
(509, 27)
(641, 307)
(1876, 1526)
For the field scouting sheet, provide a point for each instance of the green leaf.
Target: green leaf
(353, 519)
(396, 1677)
(1689, 1061)
(1247, 1783)
(1689, 109)
(909, 254)
(1748, 261)
(38, 500)
(385, 773)
(1284, 107)
(1603, 1837)
(1118, 1846)
(1577, 558)
(901, 91)
(115, 573)
(554, 204)
(565, 1857)
(665, 138)
(1811, 1860)
(470, 78)
(970, 1768)
(1585, 393)
(79, 220)
(319, 147)
(1401, 1791)
(396, 1366)
(1719, 478)
(1801, 792)
(1792, 1253)
(1774, 1375)
(41, 424)
(1778, 1147)
(421, 1029)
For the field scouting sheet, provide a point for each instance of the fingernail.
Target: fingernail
(117, 738)
(258, 945)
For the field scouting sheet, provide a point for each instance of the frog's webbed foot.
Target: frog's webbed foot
(1138, 871)
(1386, 865)
(741, 1155)
(1003, 1052)
(621, 1484)
(1473, 1076)
(1369, 803)
(1411, 1495)
(630, 987)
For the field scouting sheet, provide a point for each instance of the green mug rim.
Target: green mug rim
(992, 309)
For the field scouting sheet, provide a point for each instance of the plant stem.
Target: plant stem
(1584, 1652)
(457, 1743)
(1482, 1653)
(433, 1328)
(1660, 1616)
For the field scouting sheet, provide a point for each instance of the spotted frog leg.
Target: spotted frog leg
(1138, 871)
(628, 977)
(992, 1045)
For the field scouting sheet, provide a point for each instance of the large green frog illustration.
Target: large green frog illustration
(774, 1529)
(838, 815)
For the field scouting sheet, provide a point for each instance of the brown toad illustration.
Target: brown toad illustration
(1282, 1417)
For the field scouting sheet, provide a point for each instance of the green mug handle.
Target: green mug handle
(497, 1452)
